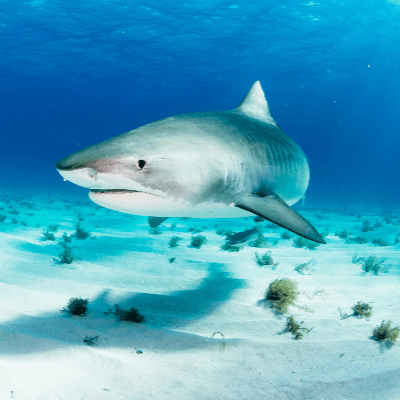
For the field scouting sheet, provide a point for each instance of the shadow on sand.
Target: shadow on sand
(163, 313)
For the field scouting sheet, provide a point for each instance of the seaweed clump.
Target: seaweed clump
(295, 328)
(198, 241)
(91, 340)
(47, 234)
(283, 293)
(66, 256)
(357, 239)
(374, 264)
(380, 242)
(131, 315)
(300, 242)
(80, 233)
(77, 306)
(174, 241)
(362, 310)
(260, 242)
(229, 247)
(344, 234)
(385, 332)
(265, 260)
(304, 267)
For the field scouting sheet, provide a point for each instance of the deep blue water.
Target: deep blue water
(73, 73)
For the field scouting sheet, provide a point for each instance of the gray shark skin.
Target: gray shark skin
(220, 164)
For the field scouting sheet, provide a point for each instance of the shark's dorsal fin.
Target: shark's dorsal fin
(255, 105)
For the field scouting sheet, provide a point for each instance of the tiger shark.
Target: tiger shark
(218, 164)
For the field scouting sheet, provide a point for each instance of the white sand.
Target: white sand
(42, 354)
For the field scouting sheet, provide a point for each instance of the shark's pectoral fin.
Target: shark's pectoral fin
(155, 221)
(277, 211)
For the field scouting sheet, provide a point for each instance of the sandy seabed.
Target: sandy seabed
(205, 291)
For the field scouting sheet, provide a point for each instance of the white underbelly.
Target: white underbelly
(140, 203)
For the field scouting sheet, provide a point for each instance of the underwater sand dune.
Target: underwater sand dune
(208, 332)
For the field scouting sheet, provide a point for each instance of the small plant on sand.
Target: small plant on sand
(283, 293)
(91, 340)
(66, 256)
(80, 233)
(295, 328)
(131, 315)
(305, 267)
(171, 260)
(385, 332)
(195, 229)
(362, 310)
(53, 228)
(260, 242)
(366, 226)
(155, 231)
(2, 218)
(76, 306)
(388, 219)
(374, 264)
(223, 232)
(173, 226)
(222, 337)
(343, 315)
(286, 235)
(66, 238)
(344, 234)
(47, 235)
(198, 241)
(325, 233)
(174, 241)
(397, 239)
(356, 259)
(357, 240)
(79, 217)
(380, 242)
(300, 241)
(265, 260)
(229, 247)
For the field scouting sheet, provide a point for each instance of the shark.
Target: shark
(217, 164)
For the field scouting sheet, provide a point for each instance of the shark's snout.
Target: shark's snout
(62, 165)
(85, 177)
(69, 163)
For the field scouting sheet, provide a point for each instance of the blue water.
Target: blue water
(73, 73)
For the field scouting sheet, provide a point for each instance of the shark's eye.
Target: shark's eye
(141, 164)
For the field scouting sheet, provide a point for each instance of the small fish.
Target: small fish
(242, 237)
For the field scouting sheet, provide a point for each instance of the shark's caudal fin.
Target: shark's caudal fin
(155, 221)
(277, 211)
(255, 105)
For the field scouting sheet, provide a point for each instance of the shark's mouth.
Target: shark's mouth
(133, 194)
(114, 191)
(129, 201)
